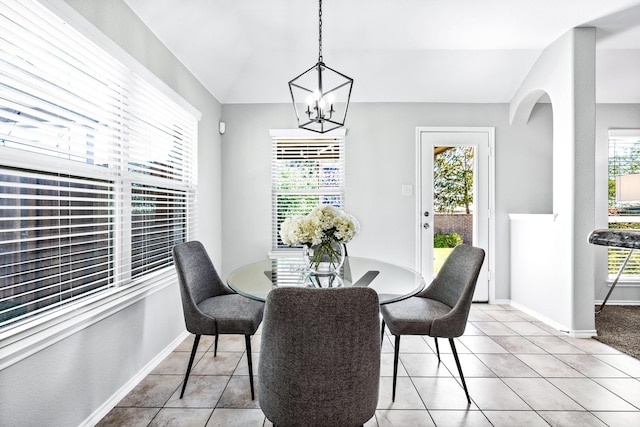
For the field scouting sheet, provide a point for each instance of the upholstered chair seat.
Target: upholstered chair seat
(441, 309)
(211, 307)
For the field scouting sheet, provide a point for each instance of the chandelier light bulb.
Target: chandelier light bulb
(331, 98)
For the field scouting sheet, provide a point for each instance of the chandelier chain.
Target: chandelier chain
(320, 31)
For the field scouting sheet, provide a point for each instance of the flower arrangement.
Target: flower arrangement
(324, 230)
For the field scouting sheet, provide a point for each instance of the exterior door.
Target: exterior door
(456, 188)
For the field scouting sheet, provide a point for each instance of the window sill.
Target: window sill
(30, 337)
(622, 284)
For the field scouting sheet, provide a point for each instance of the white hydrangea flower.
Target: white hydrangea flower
(323, 224)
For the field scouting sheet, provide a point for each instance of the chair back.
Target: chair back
(320, 356)
(198, 280)
(454, 286)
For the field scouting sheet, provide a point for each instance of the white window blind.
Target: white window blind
(624, 159)
(97, 168)
(306, 172)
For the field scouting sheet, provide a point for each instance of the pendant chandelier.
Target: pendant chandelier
(321, 94)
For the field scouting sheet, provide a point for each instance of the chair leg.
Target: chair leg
(215, 347)
(396, 353)
(247, 340)
(196, 341)
(382, 334)
(455, 356)
(437, 348)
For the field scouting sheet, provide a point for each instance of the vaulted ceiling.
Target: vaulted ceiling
(246, 51)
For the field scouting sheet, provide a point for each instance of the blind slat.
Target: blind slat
(305, 172)
(100, 178)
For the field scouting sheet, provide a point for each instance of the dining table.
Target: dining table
(391, 281)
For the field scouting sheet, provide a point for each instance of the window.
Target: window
(624, 159)
(305, 171)
(97, 169)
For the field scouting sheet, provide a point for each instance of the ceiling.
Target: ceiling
(246, 51)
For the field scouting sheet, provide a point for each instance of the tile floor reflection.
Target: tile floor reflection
(519, 371)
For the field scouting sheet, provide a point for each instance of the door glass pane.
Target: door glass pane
(453, 200)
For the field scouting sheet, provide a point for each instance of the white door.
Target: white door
(461, 205)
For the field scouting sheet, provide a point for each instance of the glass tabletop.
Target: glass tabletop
(391, 282)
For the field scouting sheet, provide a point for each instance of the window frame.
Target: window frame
(616, 256)
(32, 335)
(300, 134)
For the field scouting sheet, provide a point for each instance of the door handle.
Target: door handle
(426, 226)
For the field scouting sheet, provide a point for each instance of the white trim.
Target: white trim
(622, 283)
(21, 341)
(533, 217)
(78, 22)
(617, 302)
(624, 134)
(574, 333)
(490, 256)
(622, 218)
(540, 317)
(583, 333)
(115, 398)
(492, 212)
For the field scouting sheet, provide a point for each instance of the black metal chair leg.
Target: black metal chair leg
(615, 282)
(196, 341)
(437, 348)
(382, 334)
(455, 356)
(247, 340)
(215, 347)
(396, 353)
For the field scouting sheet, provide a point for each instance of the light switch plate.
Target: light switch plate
(407, 190)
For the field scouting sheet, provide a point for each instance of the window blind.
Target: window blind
(97, 168)
(306, 172)
(624, 159)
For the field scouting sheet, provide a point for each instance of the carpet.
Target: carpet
(618, 326)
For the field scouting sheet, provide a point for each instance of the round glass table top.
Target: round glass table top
(391, 282)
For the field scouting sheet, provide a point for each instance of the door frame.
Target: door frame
(489, 258)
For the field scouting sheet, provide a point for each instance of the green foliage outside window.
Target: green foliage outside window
(446, 240)
(453, 179)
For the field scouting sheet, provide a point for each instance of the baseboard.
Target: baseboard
(574, 333)
(544, 319)
(586, 333)
(110, 403)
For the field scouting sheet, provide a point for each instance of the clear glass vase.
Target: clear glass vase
(325, 258)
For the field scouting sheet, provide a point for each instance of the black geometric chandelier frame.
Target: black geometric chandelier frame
(321, 94)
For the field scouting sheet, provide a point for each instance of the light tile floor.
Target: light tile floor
(519, 371)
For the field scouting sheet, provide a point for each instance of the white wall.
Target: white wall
(566, 72)
(380, 149)
(65, 383)
(380, 158)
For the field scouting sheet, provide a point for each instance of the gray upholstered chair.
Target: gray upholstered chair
(320, 356)
(210, 307)
(441, 309)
